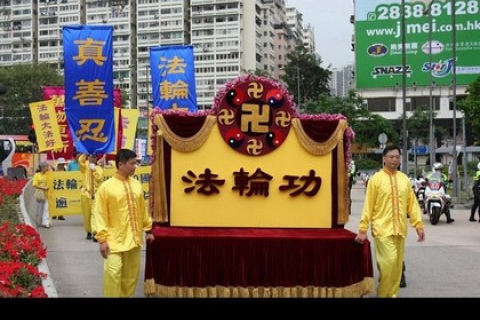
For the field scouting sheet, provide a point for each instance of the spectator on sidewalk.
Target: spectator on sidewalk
(73, 165)
(39, 182)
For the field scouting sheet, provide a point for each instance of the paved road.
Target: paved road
(446, 265)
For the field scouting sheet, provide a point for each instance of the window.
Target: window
(381, 105)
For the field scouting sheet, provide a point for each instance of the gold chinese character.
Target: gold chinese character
(90, 50)
(90, 93)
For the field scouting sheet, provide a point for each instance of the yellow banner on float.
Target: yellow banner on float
(46, 126)
(216, 186)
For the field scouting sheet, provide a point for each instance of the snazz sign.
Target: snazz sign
(390, 70)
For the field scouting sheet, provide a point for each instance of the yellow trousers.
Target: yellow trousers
(389, 254)
(87, 205)
(120, 274)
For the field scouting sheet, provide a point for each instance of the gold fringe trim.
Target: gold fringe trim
(314, 147)
(335, 141)
(185, 144)
(149, 287)
(160, 212)
(355, 290)
(343, 192)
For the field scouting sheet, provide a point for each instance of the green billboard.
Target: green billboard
(379, 42)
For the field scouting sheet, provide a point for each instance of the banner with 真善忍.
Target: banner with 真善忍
(88, 56)
(57, 94)
(173, 77)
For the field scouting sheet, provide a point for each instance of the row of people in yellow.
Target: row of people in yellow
(93, 177)
(114, 214)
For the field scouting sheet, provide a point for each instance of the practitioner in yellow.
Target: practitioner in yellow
(120, 219)
(87, 198)
(389, 202)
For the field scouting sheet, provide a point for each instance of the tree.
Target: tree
(366, 125)
(24, 85)
(257, 72)
(418, 124)
(304, 69)
(471, 106)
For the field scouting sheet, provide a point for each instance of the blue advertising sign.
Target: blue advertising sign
(88, 56)
(173, 77)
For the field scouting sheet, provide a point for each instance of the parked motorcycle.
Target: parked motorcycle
(436, 202)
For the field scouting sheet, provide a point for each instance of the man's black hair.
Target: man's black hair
(123, 155)
(390, 148)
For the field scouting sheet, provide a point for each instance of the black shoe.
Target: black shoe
(403, 283)
(450, 220)
(61, 218)
(89, 236)
(55, 217)
(93, 238)
(472, 219)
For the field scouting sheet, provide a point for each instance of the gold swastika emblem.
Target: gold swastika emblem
(255, 118)
(255, 90)
(226, 117)
(283, 119)
(254, 147)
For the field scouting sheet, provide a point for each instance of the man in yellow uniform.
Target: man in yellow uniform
(476, 195)
(87, 199)
(389, 199)
(120, 219)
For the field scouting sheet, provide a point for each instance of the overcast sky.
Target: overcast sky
(333, 30)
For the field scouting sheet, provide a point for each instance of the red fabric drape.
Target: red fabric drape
(200, 257)
(184, 126)
(319, 130)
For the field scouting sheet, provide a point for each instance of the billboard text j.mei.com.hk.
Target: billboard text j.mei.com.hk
(378, 45)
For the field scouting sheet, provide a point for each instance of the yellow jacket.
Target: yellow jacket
(389, 202)
(120, 216)
(97, 174)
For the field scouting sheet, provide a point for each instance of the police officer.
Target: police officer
(437, 167)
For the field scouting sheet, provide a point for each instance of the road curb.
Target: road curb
(48, 283)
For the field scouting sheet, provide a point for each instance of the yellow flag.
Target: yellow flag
(46, 125)
(129, 127)
(149, 136)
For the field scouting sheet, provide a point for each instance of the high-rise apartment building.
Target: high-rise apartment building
(341, 81)
(229, 37)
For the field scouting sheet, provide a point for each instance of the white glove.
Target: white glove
(92, 166)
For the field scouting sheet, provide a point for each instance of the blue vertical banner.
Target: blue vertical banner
(173, 77)
(88, 56)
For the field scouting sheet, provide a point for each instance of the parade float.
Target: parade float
(250, 199)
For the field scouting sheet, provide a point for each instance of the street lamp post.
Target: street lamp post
(404, 95)
(430, 100)
(298, 86)
(454, 97)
